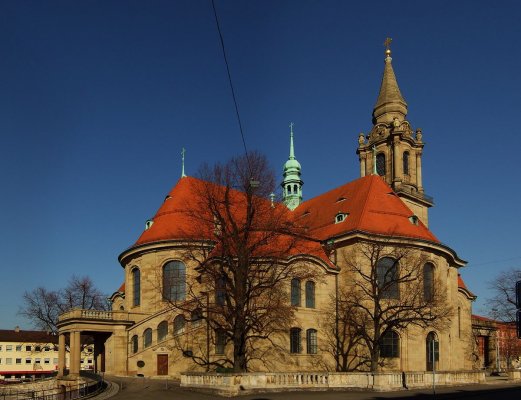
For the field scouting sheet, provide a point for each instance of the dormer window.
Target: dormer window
(413, 219)
(307, 212)
(340, 217)
(148, 224)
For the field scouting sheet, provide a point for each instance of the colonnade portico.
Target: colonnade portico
(101, 326)
(75, 353)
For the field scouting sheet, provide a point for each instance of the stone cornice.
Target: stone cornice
(400, 240)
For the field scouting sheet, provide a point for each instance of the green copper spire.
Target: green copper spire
(183, 163)
(291, 147)
(292, 183)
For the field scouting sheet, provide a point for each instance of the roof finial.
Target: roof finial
(183, 151)
(387, 45)
(291, 147)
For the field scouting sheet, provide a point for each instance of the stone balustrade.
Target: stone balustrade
(514, 374)
(231, 383)
(95, 315)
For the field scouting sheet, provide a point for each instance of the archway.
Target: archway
(432, 347)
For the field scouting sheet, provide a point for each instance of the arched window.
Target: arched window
(380, 164)
(220, 341)
(295, 189)
(432, 350)
(295, 292)
(174, 281)
(428, 282)
(311, 341)
(179, 324)
(162, 331)
(294, 340)
(387, 278)
(390, 345)
(406, 163)
(147, 338)
(289, 189)
(136, 287)
(310, 294)
(196, 317)
(134, 343)
(220, 291)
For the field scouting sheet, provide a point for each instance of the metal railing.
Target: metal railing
(415, 193)
(69, 392)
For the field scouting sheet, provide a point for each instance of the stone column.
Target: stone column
(362, 165)
(419, 171)
(61, 354)
(75, 353)
(396, 162)
(99, 354)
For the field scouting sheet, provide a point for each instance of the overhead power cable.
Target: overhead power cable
(232, 89)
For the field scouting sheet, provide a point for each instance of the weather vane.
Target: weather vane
(387, 45)
(291, 126)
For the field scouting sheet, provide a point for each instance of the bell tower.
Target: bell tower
(392, 149)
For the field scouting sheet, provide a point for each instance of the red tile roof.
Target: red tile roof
(480, 318)
(462, 285)
(27, 336)
(285, 247)
(171, 220)
(371, 206)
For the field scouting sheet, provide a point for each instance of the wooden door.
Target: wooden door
(162, 364)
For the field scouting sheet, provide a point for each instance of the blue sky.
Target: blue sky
(97, 98)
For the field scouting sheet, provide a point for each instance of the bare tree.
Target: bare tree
(344, 341)
(243, 268)
(503, 303)
(509, 344)
(387, 288)
(42, 307)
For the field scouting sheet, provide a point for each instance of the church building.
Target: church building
(372, 287)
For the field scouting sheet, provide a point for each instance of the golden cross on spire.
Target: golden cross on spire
(387, 43)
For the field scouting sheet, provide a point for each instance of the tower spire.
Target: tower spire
(292, 182)
(393, 150)
(390, 103)
(183, 151)
(291, 147)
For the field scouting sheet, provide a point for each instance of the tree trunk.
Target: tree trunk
(239, 350)
(374, 360)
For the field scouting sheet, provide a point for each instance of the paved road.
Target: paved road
(144, 389)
